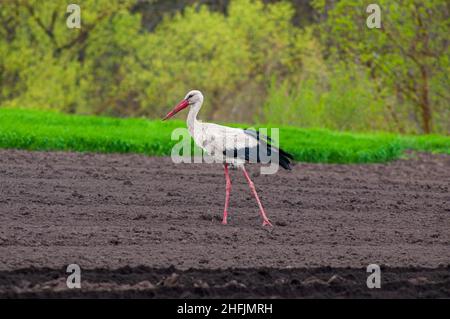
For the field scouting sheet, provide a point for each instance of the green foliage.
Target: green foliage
(38, 130)
(342, 99)
(44, 64)
(230, 58)
(408, 58)
(110, 66)
(251, 63)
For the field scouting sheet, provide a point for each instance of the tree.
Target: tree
(409, 54)
(45, 64)
(231, 58)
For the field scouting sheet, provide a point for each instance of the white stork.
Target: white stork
(230, 146)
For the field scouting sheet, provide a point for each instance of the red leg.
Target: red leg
(227, 194)
(261, 209)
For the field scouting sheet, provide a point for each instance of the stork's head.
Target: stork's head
(193, 97)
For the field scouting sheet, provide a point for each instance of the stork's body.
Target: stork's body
(229, 146)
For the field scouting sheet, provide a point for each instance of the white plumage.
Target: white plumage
(221, 142)
(216, 140)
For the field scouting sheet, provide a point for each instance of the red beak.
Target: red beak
(182, 105)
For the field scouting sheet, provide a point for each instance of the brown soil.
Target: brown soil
(132, 221)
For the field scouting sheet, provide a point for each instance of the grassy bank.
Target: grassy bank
(38, 130)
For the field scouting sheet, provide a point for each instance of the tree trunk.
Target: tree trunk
(425, 103)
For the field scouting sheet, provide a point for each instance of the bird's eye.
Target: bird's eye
(190, 96)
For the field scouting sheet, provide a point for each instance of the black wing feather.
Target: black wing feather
(264, 141)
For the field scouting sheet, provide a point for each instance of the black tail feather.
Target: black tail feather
(284, 160)
(286, 154)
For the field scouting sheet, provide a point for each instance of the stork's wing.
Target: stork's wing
(256, 148)
(257, 135)
(248, 145)
(267, 140)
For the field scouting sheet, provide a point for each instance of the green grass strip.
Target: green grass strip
(42, 130)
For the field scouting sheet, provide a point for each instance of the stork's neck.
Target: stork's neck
(192, 116)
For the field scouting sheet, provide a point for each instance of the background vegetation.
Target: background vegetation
(302, 63)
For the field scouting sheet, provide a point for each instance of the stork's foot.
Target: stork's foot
(224, 220)
(267, 223)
